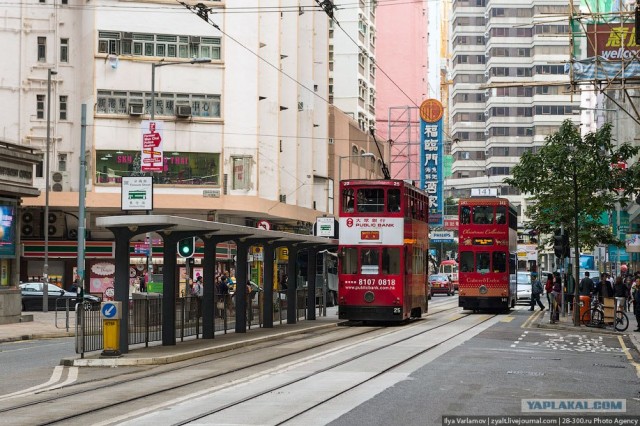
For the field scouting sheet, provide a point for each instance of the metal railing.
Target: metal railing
(145, 317)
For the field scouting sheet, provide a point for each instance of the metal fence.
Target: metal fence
(145, 317)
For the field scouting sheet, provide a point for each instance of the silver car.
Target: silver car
(524, 288)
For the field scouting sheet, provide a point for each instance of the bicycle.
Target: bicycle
(594, 317)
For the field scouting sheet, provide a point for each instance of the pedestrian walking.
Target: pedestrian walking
(548, 288)
(536, 291)
(556, 298)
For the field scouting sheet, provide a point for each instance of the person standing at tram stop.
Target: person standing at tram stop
(586, 285)
(620, 293)
(636, 307)
(536, 291)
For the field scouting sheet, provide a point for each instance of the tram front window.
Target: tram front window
(349, 261)
(483, 262)
(391, 260)
(466, 261)
(369, 262)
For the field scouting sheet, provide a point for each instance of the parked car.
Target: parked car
(441, 284)
(524, 288)
(32, 295)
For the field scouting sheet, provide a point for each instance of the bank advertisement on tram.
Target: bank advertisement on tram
(383, 251)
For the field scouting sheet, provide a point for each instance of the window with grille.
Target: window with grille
(159, 45)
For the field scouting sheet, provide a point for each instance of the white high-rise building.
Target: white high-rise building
(244, 137)
(510, 88)
(352, 73)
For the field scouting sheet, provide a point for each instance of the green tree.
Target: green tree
(546, 177)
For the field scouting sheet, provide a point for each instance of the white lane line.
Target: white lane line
(72, 376)
(55, 378)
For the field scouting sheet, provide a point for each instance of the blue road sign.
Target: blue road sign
(109, 310)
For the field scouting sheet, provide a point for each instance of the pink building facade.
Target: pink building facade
(401, 53)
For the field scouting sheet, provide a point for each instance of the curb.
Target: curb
(122, 361)
(37, 336)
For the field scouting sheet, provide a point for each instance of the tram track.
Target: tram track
(390, 368)
(78, 391)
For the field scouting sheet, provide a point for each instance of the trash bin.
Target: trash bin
(585, 306)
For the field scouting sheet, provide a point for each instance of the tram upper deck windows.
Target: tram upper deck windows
(370, 200)
(483, 215)
(465, 215)
(393, 203)
(347, 200)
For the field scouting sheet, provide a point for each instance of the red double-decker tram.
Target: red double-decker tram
(383, 250)
(487, 238)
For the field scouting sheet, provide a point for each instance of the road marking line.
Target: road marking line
(55, 377)
(629, 357)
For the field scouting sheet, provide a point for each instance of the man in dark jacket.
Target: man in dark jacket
(586, 285)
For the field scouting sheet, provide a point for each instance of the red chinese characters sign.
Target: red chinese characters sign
(151, 158)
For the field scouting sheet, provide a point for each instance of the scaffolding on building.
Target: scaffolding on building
(604, 52)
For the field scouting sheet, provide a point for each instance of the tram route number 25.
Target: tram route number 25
(397, 311)
(377, 281)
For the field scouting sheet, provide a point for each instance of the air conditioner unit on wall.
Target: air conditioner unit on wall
(56, 224)
(60, 182)
(136, 109)
(183, 110)
(30, 223)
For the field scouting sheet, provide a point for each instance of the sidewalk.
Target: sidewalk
(541, 320)
(43, 326)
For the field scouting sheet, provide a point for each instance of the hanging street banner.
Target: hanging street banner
(151, 159)
(431, 158)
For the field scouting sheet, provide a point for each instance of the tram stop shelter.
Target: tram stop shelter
(175, 228)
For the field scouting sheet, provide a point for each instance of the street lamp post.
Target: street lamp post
(152, 114)
(340, 158)
(45, 267)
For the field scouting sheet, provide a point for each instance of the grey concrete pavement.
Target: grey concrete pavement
(38, 325)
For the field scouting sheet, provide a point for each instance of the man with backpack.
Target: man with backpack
(536, 291)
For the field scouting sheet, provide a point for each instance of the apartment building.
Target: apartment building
(509, 88)
(244, 135)
(352, 52)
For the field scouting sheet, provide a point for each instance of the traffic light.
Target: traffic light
(560, 244)
(558, 248)
(187, 247)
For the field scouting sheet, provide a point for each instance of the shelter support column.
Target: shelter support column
(311, 280)
(209, 293)
(242, 276)
(292, 285)
(169, 287)
(269, 259)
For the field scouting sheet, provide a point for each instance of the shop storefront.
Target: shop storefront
(16, 182)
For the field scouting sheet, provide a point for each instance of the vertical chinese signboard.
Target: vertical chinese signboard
(151, 159)
(431, 158)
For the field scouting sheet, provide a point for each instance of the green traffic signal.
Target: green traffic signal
(187, 247)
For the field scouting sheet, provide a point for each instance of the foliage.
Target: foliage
(547, 177)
